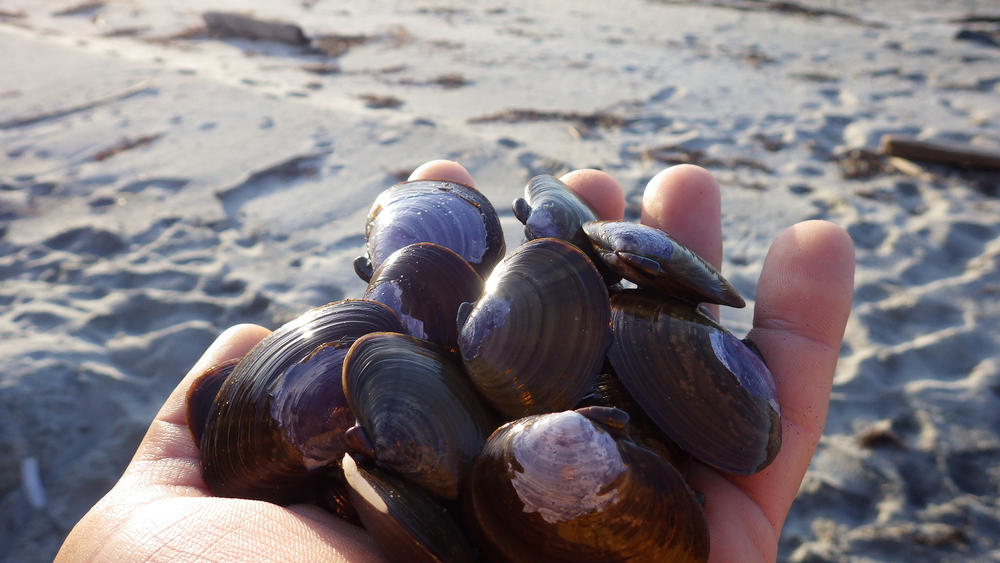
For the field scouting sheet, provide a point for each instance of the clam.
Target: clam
(653, 260)
(407, 522)
(201, 395)
(536, 339)
(564, 487)
(453, 215)
(425, 283)
(418, 415)
(256, 442)
(703, 387)
(550, 209)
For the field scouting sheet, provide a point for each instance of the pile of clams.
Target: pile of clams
(472, 405)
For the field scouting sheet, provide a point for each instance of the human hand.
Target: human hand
(161, 509)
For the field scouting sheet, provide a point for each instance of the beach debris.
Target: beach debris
(31, 482)
(981, 36)
(335, 45)
(230, 24)
(879, 434)
(861, 164)
(448, 81)
(379, 101)
(962, 155)
(126, 143)
(129, 31)
(519, 115)
(11, 14)
(87, 8)
(322, 69)
(790, 8)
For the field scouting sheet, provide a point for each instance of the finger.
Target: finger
(442, 170)
(803, 301)
(599, 191)
(168, 440)
(685, 202)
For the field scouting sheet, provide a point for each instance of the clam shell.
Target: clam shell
(701, 385)
(653, 260)
(453, 215)
(408, 523)
(535, 340)
(550, 209)
(558, 487)
(245, 450)
(425, 284)
(201, 396)
(418, 411)
(309, 405)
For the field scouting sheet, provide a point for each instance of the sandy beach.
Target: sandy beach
(165, 175)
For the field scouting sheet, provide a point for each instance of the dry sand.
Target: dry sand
(159, 183)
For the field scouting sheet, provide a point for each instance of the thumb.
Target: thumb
(167, 455)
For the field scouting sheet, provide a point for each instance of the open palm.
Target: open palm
(161, 509)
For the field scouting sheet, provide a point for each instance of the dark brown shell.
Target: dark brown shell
(536, 339)
(201, 396)
(558, 487)
(424, 284)
(701, 385)
(453, 215)
(549, 209)
(245, 450)
(653, 260)
(418, 411)
(407, 522)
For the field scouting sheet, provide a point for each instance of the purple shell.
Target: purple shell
(452, 215)
(425, 284)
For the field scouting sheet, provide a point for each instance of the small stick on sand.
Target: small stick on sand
(946, 153)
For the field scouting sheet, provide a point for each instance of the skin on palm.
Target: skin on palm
(160, 508)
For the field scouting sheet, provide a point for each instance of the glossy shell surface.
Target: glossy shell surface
(244, 450)
(536, 339)
(703, 387)
(408, 523)
(560, 487)
(425, 284)
(420, 414)
(550, 209)
(201, 396)
(653, 260)
(452, 215)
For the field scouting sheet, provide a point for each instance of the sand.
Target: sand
(159, 182)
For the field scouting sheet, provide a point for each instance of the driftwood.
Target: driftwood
(226, 24)
(966, 156)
